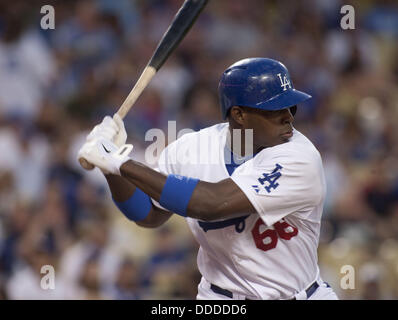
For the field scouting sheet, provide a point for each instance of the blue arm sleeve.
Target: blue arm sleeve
(177, 192)
(137, 207)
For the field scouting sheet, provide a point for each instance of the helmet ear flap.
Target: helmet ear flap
(293, 110)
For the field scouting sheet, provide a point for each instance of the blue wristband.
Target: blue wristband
(177, 192)
(137, 207)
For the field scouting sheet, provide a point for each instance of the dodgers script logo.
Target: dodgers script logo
(284, 82)
(268, 181)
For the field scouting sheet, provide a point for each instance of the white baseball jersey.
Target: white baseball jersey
(271, 254)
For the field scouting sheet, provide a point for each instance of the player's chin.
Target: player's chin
(285, 137)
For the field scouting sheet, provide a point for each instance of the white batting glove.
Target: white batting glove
(105, 155)
(121, 136)
(110, 129)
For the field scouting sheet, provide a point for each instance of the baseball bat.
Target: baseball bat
(182, 22)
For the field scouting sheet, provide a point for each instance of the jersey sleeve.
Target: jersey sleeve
(281, 185)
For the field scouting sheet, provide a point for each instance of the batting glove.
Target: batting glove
(110, 129)
(105, 155)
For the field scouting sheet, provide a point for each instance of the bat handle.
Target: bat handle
(85, 164)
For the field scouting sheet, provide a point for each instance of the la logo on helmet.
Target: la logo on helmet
(284, 82)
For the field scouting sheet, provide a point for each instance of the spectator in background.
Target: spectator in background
(200, 107)
(26, 281)
(27, 64)
(91, 264)
(89, 281)
(15, 226)
(126, 285)
(164, 265)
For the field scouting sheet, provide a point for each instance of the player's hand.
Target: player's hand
(105, 154)
(110, 129)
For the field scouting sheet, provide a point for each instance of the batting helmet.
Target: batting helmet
(258, 83)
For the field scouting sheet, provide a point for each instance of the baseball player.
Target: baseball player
(256, 215)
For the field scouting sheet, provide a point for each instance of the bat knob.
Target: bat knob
(85, 164)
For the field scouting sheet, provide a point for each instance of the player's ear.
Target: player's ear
(237, 114)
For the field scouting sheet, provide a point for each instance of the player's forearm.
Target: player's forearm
(148, 180)
(208, 201)
(121, 189)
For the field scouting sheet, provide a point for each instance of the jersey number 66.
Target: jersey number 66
(268, 239)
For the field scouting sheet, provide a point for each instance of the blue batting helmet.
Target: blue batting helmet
(259, 83)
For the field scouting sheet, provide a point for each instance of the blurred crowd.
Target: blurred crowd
(55, 85)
